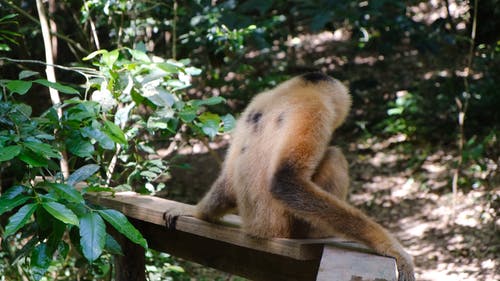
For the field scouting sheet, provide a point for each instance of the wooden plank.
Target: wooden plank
(231, 258)
(150, 209)
(341, 264)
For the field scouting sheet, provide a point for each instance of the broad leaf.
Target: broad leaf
(82, 174)
(114, 132)
(43, 149)
(40, 261)
(67, 192)
(27, 73)
(103, 139)
(109, 58)
(229, 122)
(19, 219)
(9, 152)
(57, 86)
(18, 86)
(112, 246)
(60, 212)
(139, 55)
(13, 192)
(79, 146)
(122, 225)
(92, 235)
(33, 159)
(7, 204)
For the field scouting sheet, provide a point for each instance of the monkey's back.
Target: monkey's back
(266, 135)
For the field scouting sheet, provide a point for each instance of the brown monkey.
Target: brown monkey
(284, 179)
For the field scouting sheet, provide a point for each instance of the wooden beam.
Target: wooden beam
(150, 209)
(226, 247)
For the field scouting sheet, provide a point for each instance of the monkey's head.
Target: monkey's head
(336, 91)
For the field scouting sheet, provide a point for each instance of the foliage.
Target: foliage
(93, 131)
(8, 35)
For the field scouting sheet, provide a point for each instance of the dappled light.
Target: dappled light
(150, 91)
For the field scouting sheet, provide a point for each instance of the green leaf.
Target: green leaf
(92, 235)
(7, 17)
(210, 124)
(19, 219)
(395, 111)
(94, 54)
(114, 132)
(112, 246)
(82, 174)
(168, 67)
(43, 149)
(67, 192)
(9, 204)
(229, 122)
(9, 152)
(18, 86)
(60, 212)
(109, 58)
(27, 73)
(139, 55)
(33, 159)
(193, 71)
(79, 146)
(95, 133)
(13, 192)
(209, 101)
(40, 261)
(188, 114)
(57, 86)
(122, 225)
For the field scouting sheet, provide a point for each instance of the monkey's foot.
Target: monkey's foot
(172, 214)
(405, 268)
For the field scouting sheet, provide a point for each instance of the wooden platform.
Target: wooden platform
(225, 247)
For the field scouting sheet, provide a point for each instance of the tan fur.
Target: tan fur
(282, 176)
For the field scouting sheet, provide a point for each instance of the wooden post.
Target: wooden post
(132, 265)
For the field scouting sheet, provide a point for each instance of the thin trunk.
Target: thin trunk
(463, 105)
(51, 75)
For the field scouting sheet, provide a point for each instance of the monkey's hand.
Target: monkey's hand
(173, 212)
(405, 267)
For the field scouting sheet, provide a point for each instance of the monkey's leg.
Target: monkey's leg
(309, 202)
(332, 174)
(219, 200)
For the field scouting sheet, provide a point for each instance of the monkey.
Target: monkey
(284, 179)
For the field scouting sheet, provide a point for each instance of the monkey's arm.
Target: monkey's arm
(218, 201)
(308, 201)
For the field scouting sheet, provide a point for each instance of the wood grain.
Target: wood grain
(226, 247)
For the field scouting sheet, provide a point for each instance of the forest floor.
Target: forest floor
(451, 237)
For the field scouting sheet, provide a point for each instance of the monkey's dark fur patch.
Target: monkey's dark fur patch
(288, 187)
(280, 119)
(316, 77)
(254, 117)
